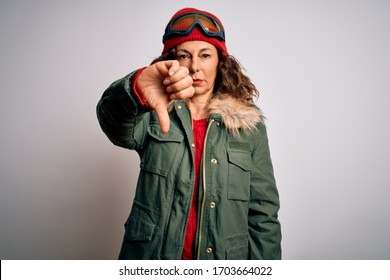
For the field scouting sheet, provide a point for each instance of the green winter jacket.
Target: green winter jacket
(238, 198)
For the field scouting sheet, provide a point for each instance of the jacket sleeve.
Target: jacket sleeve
(121, 115)
(264, 226)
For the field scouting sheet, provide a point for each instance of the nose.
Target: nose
(194, 66)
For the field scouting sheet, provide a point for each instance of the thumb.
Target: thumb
(163, 118)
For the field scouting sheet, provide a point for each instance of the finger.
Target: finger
(179, 74)
(173, 67)
(183, 94)
(167, 68)
(180, 85)
(163, 118)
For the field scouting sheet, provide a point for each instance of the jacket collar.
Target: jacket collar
(236, 114)
(233, 113)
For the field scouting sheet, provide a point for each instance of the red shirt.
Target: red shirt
(199, 128)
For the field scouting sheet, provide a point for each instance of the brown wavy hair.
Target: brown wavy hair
(230, 77)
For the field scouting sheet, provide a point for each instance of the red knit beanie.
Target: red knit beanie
(196, 34)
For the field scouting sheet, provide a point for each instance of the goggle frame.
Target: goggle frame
(169, 32)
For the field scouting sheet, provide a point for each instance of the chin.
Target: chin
(202, 91)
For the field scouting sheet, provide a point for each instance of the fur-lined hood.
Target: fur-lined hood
(236, 114)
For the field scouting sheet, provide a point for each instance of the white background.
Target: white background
(323, 70)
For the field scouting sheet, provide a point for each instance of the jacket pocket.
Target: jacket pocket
(137, 229)
(140, 226)
(161, 151)
(237, 247)
(240, 165)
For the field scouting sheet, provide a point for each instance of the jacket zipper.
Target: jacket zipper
(204, 188)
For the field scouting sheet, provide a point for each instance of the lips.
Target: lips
(196, 81)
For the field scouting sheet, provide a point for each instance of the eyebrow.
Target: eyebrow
(202, 50)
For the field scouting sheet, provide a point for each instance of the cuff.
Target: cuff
(136, 90)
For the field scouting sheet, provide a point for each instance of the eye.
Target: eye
(182, 56)
(206, 55)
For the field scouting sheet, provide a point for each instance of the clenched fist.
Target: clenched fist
(162, 82)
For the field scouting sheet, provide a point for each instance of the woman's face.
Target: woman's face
(201, 59)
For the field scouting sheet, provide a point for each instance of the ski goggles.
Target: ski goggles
(184, 24)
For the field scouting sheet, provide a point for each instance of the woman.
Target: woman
(206, 188)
